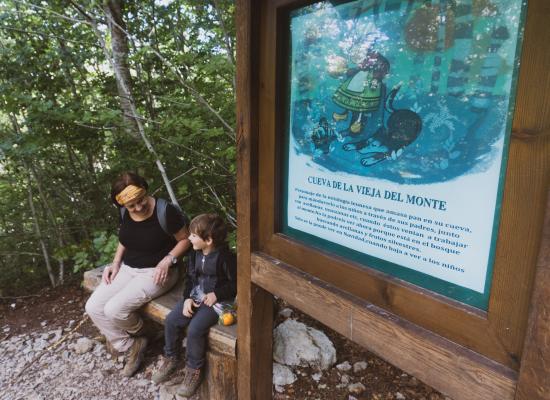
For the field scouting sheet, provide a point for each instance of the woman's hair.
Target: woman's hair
(209, 226)
(127, 178)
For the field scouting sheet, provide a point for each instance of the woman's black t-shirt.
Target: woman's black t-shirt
(145, 241)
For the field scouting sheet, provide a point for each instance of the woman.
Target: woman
(143, 267)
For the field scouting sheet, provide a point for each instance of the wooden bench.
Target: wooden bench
(220, 381)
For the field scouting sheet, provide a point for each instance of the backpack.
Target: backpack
(161, 205)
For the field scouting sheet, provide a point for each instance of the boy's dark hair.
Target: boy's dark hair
(209, 226)
(127, 178)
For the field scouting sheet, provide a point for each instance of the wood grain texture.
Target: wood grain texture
(448, 367)
(222, 339)
(534, 376)
(532, 116)
(220, 382)
(499, 332)
(255, 312)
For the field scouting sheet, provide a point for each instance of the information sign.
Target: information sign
(397, 130)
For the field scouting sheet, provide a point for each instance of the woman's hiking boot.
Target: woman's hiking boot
(165, 369)
(191, 381)
(134, 356)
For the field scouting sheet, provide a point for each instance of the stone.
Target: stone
(399, 396)
(360, 366)
(322, 386)
(167, 392)
(317, 376)
(285, 312)
(83, 345)
(282, 376)
(345, 379)
(356, 388)
(413, 381)
(295, 344)
(345, 366)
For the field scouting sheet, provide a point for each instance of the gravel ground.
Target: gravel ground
(45, 353)
(63, 373)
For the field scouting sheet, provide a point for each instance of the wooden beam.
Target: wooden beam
(534, 374)
(445, 365)
(255, 311)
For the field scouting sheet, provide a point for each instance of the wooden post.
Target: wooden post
(255, 305)
(534, 375)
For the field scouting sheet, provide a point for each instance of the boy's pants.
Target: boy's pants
(197, 332)
(113, 308)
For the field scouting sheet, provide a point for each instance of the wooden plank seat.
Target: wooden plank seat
(220, 381)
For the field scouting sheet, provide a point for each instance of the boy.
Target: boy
(211, 279)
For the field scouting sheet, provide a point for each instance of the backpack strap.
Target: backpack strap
(161, 214)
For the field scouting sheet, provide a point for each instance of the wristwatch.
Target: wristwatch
(173, 260)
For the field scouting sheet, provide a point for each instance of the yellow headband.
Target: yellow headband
(129, 193)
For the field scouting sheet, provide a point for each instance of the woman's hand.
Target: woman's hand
(162, 270)
(188, 307)
(209, 299)
(110, 272)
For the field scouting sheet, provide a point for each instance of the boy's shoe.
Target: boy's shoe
(134, 356)
(165, 369)
(191, 380)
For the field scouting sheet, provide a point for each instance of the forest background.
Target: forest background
(89, 89)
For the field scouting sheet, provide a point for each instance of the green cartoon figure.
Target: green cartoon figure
(362, 91)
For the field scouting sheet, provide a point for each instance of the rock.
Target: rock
(356, 388)
(282, 376)
(322, 386)
(317, 376)
(44, 323)
(345, 379)
(56, 335)
(40, 344)
(413, 382)
(345, 366)
(83, 345)
(294, 343)
(285, 312)
(167, 392)
(360, 366)
(399, 396)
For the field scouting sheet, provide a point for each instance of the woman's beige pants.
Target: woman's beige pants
(113, 308)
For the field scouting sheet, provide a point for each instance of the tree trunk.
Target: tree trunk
(39, 235)
(113, 9)
(51, 216)
(33, 210)
(119, 48)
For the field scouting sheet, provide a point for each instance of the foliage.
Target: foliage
(62, 136)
